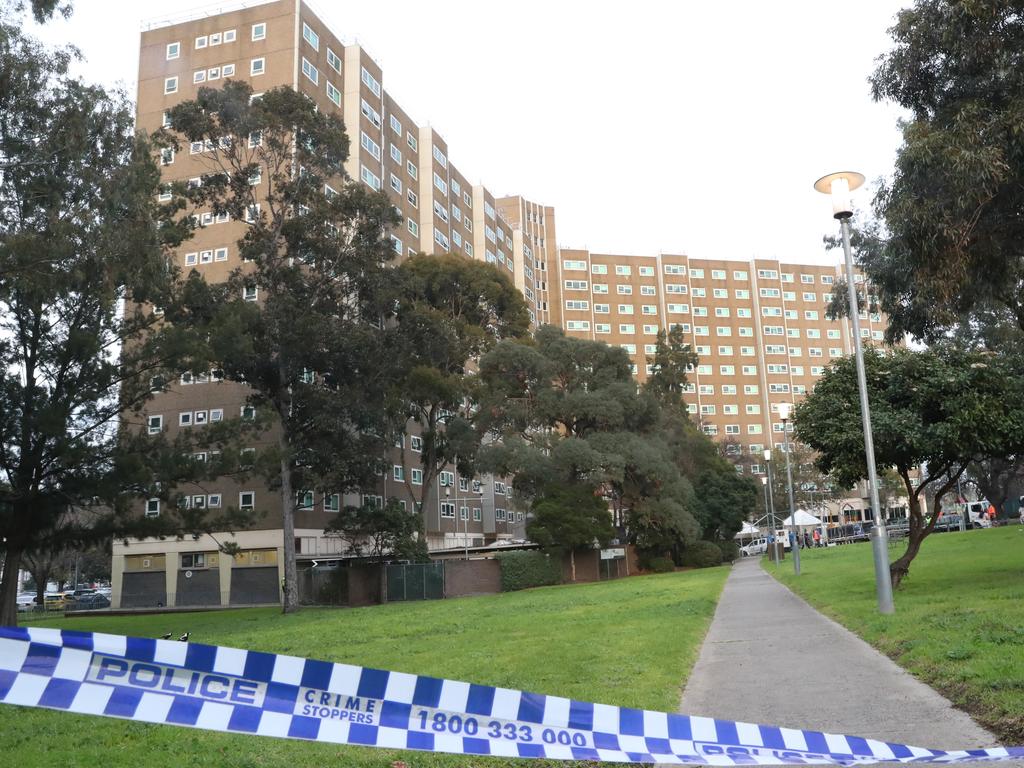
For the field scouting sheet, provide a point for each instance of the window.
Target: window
(827, 280)
(576, 285)
(676, 288)
(201, 42)
(414, 146)
(577, 304)
(627, 328)
(718, 274)
(396, 183)
(625, 309)
(447, 509)
(173, 50)
(602, 328)
(646, 271)
(369, 145)
(154, 425)
(698, 273)
(398, 472)
(579, 266)
(310, 71)
(600, 288)
(371, 82)
(257, 66)
(250, 293)
(577, 325)
(335, 95)
(648, 290)
(230, 36)
(699, 293)
(410, 168)
(599, 269)
(310, 36)
(417, 476)
(170, 85)
(414, 228)
(247, 500)
(259, 31)
(369, 178)
(767, 274)
(396, 125)
(675, 269)
(440, 184)
(678, 309)
(215, 39)
(624, 290)
(185, 419)
(621, 269)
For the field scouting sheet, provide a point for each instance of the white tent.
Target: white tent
(748, 529)
(803, 518)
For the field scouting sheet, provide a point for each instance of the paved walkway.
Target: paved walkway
(770, 658)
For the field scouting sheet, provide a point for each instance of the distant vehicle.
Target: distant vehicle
(90, 602)
(27, 601)
(54, 601)
(756, 547)
(976, 513)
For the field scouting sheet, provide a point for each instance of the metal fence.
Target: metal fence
(415, 581)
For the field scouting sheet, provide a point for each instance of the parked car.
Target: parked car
(27, 601)
(90, 602)
(54, 601)
(756, 547)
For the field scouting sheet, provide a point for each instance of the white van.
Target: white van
(756, 547)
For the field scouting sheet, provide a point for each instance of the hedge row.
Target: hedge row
(525, 569)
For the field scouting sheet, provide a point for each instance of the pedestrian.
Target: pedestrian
(807, 539)
(991, 513)
(817, 537)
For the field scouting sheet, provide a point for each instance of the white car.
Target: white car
(756, 547)
(26, 601)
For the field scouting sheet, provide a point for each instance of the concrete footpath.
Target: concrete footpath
(770, 658)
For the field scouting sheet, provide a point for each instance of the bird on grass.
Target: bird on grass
(166, 637)
(184, 638)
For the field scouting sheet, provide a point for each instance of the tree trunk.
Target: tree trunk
(9, 588)
(572, 564)
(291, 572)
(901, 567)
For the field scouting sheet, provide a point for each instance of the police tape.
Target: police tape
(250, 692)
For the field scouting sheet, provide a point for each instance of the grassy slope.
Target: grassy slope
(630, 642)
(959, 621)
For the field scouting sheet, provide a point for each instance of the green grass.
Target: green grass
(959, 621)
(630, 642)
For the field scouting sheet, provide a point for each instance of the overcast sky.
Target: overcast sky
(679, 127)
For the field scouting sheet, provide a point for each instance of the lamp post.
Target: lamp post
(784, 411)
(771, 502)
(839, 185)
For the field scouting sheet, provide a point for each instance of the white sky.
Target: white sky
(677, 126)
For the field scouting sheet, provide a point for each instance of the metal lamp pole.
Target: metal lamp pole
(771, 502)
(839, 185)
(784, 410)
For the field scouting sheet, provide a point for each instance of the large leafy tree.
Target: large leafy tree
(300, 321)
(448, 311)
(83, 258)
(951, 216)
(938, 410)
(568, 413)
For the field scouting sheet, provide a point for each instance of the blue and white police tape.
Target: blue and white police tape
(231, 690)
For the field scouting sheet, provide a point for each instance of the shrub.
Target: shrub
(730, 550)
(702, 554)
(661, 564)
(525, 569)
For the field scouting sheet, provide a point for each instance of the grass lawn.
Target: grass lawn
(959, 621)
(630, 642)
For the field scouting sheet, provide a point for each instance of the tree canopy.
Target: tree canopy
(301, 319)
(84, 246)
(951, 214)
(933, 411)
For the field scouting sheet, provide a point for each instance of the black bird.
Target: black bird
(184, 638)
(166, 637)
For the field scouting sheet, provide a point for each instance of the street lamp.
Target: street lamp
(771, 501)
(784, 411)
(839, 185)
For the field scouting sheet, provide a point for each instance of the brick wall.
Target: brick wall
(471, 577)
